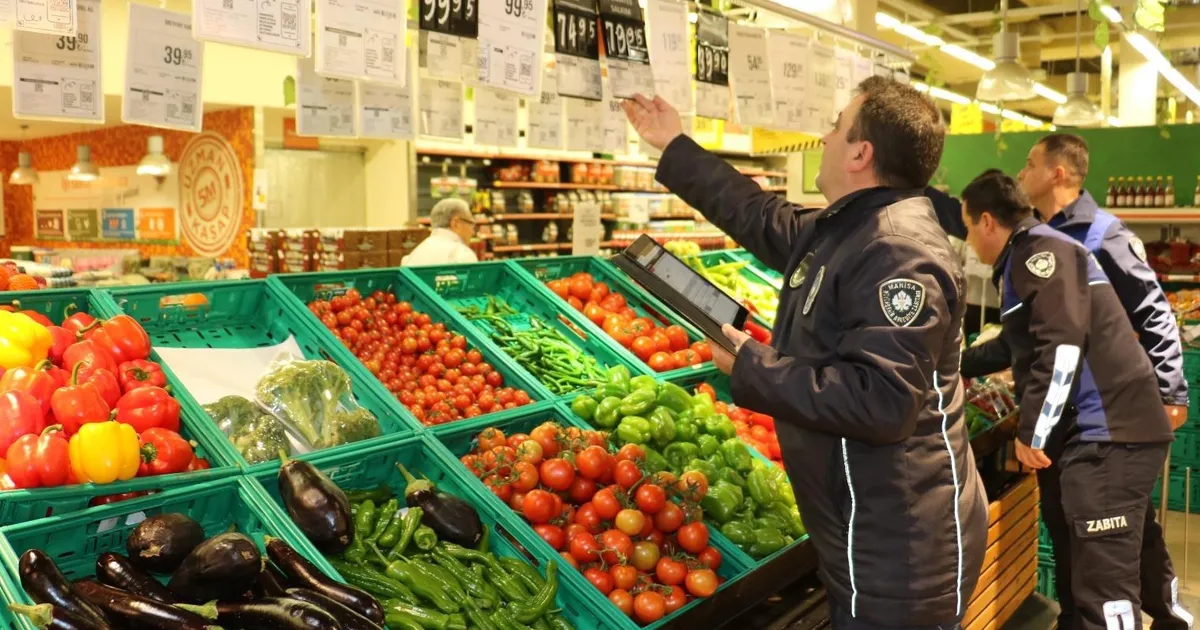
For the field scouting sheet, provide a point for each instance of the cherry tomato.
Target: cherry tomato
(500, 458)
(557, 474)
(626, 474)
(669, 519)
(586, 516)
(630, 522)
(622, 600)
(546, 435)
(473, 464)
(693, 485)
(661, 362)
(539, 507)
(552, 534)
(650, 498)
(618, 546)
(573, 528)
(643, 347)
(648, 607)
(631, 452)
(702, 350)
(607, 504)
(527, 477)
(670, 571)
(693, 537)
(701, 582)
(675, 599)
(582, 490)
(592, 462)
(584, 548)
(624, 576)
(710, 558)
(645, 556)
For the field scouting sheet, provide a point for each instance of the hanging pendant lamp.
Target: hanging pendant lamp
(24, 174)
(1078, 110)
(1009, 80)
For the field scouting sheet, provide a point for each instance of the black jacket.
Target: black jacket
(1079, 370)
(862, 379)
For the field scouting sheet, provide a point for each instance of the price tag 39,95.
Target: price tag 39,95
(627, 48)
(712, 66)
(164, 67)
(577, 48)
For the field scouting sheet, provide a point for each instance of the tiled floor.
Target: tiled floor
(1183, 540)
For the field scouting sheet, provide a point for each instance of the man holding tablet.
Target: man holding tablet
(862, 374)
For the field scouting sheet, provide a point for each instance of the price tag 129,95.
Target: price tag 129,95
(577, 44)
(164, 67)
(58, 76)
(712, 66)
(788, 59)
(626, 47)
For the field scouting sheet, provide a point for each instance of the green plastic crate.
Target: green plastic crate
(1185, 450)
(301, 288)
(421, 455)
(723, 256)
(249, 314)
(1177, 489)
(18, 506)
(1045, 583)
(471, 285)
(459, 439)
(74, 541)
(636, 297)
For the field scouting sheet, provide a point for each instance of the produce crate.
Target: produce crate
(17, 506)
(1177, 489)
(301, 288)
(636, 297)
(721, 256)
(1045, 580)
(1185, 450)
(759, 267)
(1045, 544)
(249, 314)
(459, 439)
(74, 541)
(462, 286)
(422, 456)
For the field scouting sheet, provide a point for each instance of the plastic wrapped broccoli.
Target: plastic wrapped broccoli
(256, 434)
(313, 399)
(233, 413)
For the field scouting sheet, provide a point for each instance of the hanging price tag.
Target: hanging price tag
(616, 127)
(788, 58)
(668, 24)
(585, 120)
(280, 26)
(863, 68)
(324, 106)
(384, 111)
(58, 76)
(546, 115)
(712, 66)
(843, 61)
(164, 67)
(822, 86)
(577, 48)
(495, 118)
(361, 39)
(449, 17)
(626, 47)
(511, 38)
(41, 16)
(586, 229)
(441, 109)
(751, 76)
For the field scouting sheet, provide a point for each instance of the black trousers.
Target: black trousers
(840, 619)
(1111, 559)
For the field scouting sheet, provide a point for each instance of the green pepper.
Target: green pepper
(739, 532)
(584, 406)
(540, 603)
(762, 487)
(686, 431)
(638, 403)
(391, 535)
(643, 381)
(425, 584)
(734, 477)
(424, 616)
(389, 513)
(736, 455)
(767, 541)
(673, 397)
(708, 444)
(606, 390)
(722, 501)
(662, 426)
(686, 414)
(608, 412)
(364, 524)
(408, 526)
(425, 538)
(702, 405)
(382, 492)
(475, 585)
(720, 427)
(635, 429)
(618, 375)
(704, 467)
(782, 486)
(788, 517)
(655, 462)
(679, 454)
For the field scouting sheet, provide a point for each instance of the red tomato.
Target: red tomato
(599, 578)
(599, 292)
(581, 288)
(624, 576)
(569, 559)
(473, 464)
(622, 600)
(631, 452)
(527, 477)
(516, 501)
(592, 462)
(710, 558)
(606, 503)
(693, 485)
(676, 599)
(702, 350)
(627, 473)
(669, 519)
(547, 435)
(701, 582)
(582, 490)
(586, 515)
(561, 287)
(661, 362)
(595, 312)
(693, 537)
(539, 507)
(650, 498)
(617, 545)
(631, 522)
(530, 451)
(575, 303)
(644, 347)
(499, 487)
(648, 607)
(557, 474)
(670, 571)
(552, 534)
(678, 337)
(584, 548)
(614, 302)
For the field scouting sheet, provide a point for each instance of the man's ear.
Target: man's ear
(863, 156)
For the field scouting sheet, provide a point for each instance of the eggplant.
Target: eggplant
(304, 574)
(45, 584)
(117, 571)
(271, 582)
(453, 519)
(140, 613)
(270, 613)
(222, 567)
(51, 617)
(349, 619)
(159, 543)
(317, 506)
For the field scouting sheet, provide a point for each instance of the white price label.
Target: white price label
(863, 68)
(324, 105)
(822, 86)
(751, 76)
(668, 24)
(58, 76)
(56, 17)
(579, 77)
(586, 229)
(276, 25)
(788, 58)
(384, 111)
(546, 115)
(361, 39)
(585, 122)
(441, 109)
(164, 69)
(495, 118)
(511, 36)
(616, 127)
(843, 61)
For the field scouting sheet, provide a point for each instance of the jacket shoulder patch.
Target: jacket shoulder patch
(1138, 248)
(901, 300)
(1041, 264)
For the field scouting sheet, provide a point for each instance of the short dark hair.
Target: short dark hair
(1070, 150)
(905, 129)
(999, 195)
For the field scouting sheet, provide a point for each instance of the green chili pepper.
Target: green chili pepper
(655, 462)
(391, 535)
(372, 581)
(738, 532)
(708, 444)
(424, 584)
(382, 492)
(584, 406)
(720, 427)
(431, 619)
(643, 381)
(425, 538)
(673, 397)
(408, 526)
(722, 501)
(510, 587)
(686, 431)
(399, 621)
(475, 585)
(539, 604)
(766, 541)
(662, 426)
(608, 412)
(364, 524)
(679, 454)
(736, 455)
(704, 467)
(528, 575)
(479, 620)
(389, 513)
(762, 487)
(635, 429)
(637, 403)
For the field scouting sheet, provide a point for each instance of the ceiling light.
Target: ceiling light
(955, 97)
(1009, 80)
(84, 170)
(947, 95)
(24, 174)
(155, 164)
(1152, 54)
(1079, 110)
(962, 54)
(1111, 13)
(1050, 93)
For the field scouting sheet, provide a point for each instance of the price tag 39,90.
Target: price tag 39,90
(712, 66)
(628, 50)
(577, 48)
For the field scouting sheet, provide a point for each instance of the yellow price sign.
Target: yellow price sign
(966, 118)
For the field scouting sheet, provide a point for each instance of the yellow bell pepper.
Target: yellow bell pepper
(104, 452)
(23, 342)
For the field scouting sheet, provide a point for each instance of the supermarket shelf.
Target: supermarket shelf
(534, 247)
(1157, 215)
(533, 216)
(577, 157)
(553, 186)
(758, 172)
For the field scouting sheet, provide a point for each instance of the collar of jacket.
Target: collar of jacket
(1002, 259)
(1082, 211)
(867, 199)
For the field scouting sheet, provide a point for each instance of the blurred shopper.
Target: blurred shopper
(453, 226)
(1053, 180)
(1091, 421)
(862, 374)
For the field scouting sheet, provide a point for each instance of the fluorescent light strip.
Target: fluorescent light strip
(962, 54)
(1048, 92)
(1156, 58)
(955, 97)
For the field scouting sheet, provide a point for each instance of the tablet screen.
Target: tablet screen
(694, 287)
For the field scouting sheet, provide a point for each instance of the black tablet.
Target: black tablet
(683, 289)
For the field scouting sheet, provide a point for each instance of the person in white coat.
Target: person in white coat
(453, 227)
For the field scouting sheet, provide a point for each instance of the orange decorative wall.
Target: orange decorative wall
(123, 146)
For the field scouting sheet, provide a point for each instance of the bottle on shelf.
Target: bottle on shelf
(1160, 193)
(1196, 198)
(1139, 193)
(1169, 193)
(1122, 193)
(1110, 195)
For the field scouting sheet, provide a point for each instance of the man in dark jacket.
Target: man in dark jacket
(1053, 179)
(1091, 423)
(862, 373)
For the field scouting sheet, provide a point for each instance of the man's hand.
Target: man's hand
(1177, 414)
(1031, 457)
(655, 120)
(721, 357)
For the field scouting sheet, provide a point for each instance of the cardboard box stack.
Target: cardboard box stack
(264, 247)
(299, 250)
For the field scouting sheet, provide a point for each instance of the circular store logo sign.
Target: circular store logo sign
(210, 191)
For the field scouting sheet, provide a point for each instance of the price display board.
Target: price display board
(511, 36)
(822, 86)
(58, 76)
(440, 111)
(164, 69)
(586, 229)
(585, 119)
(117, 224)
(787, 56)
(577, 49)
(55, 17)
(712, 66)
(546, 114)
(843, 61)
(83, 224)
(50, 224)
(278, 25)
(750, 76)
(361, 39)
(384, 111)
(495, 118)
(668, 24)
(625, 45)
(324, 105)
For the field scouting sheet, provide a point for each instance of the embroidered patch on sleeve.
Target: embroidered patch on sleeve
(901, 300)
(1138, 248)
(1041, 264)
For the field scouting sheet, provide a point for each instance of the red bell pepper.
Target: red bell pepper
(199, 463)
(36, 381)
(88, 352)
(77, 322)
(141, 373)
(37, 317)
(164, 452)
(123, 339)
(37, 461)
(147, 408)
(20, 414)
(78, 404)
(117, 498)
(758, 333)
(104, 381)
(63, 339)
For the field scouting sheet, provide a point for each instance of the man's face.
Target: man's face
(463, 227)
(1039, 176)
(984, 236)
(840, 156)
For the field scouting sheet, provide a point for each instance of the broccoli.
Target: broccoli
(261, 440)
(305, 394)
(349, 426)
(233, 413)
